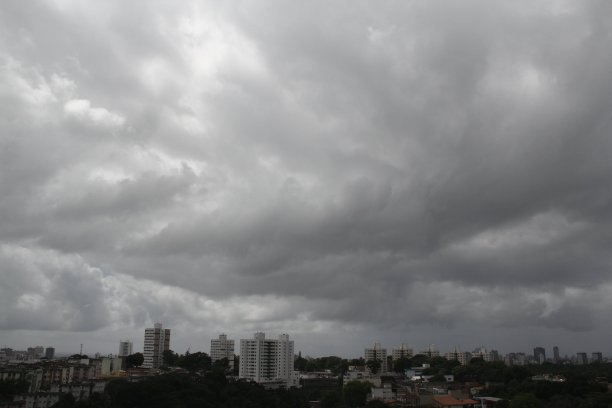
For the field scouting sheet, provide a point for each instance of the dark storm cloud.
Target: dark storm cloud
(240, 166)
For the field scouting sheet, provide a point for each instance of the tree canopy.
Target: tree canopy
(355, 393)
(134, 360)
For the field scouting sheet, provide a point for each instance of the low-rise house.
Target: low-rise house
(384, 393)
(448, 401)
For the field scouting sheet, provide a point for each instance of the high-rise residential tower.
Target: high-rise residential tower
(556, 356)
(377, 353)
(462, 357)
(539, 355)
(125, 348)
(156, 341)
(266, 360)
(402, 351)
(222, 348)
(481, 352)
(430, 351)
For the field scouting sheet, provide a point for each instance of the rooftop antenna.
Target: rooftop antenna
(81, 352)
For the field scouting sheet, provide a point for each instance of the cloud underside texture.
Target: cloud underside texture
(299, 167)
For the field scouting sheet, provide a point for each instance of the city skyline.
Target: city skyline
(351, 173)
(220, 346)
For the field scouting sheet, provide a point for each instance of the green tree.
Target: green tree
(331, 399)
(236, 365)
(438, 362)
(300, 363)
(194, 361)
(373, 366)
(221, 363)
(401, 364)
(419, 360)
(170, 358)
(355, 393)
(344, 365)
(376, 404)
(134, 360)
(332, 363)
(525, 401)
(357, 362)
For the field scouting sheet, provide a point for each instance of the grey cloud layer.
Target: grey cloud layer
(306, 165)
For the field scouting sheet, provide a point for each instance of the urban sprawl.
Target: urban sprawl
(399, 377)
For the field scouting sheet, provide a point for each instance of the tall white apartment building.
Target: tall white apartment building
(266, 360)
(456, 354)
(377, 353)
(402, 351)
(596, 357)
(125, 348)
(430, 351)
(222, 348)
(156, 341)
(481, 353)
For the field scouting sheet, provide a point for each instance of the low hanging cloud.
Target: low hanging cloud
(81, 109)
(421, 167)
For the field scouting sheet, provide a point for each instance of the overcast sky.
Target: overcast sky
(347, 172)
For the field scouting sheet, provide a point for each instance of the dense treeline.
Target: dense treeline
(207, 386)
(186, 390)
(195, 362)
(214, 390)
(585, 386)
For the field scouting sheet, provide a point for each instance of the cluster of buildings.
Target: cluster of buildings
(539, 357)
(31, 353)
(263, 360)
(518, 358)
(380, 354)
(49, 378)
(267, 361)
(412, 394)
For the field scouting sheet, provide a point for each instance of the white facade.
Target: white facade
(431, 351)
(383, 393)
(356, 375)
(456, 354)
(125, 348)
(156, 341)
(402, 351)
(222, 348)
(110, 365)
(377, 353)
(265, 360)
(481, 353)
